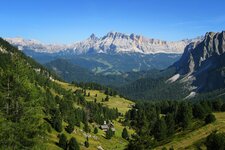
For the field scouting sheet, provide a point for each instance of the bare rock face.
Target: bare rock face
(115, 42)
(205, 62)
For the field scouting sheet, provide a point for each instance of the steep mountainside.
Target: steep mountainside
(23, 94)
(199, 70)
(36, 110)
(202, 64)
(71, 72)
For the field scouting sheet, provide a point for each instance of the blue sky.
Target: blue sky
(66, 21)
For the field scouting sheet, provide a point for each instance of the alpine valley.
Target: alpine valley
(157, 84)
(179, 101)
(137, 67)
(115, 56)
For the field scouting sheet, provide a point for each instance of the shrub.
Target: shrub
(210, 118)
(215, 141)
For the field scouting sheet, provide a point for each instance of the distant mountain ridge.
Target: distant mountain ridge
(114, 53)
(34, 45)
(112, 42)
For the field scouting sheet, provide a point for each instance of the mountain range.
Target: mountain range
(126, 62)
(200, 70)
(113, 54)
(112, 42)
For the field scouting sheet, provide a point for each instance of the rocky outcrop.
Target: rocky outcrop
(115, 42)
(203, 63)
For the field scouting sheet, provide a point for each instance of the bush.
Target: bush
(215, 141)
(210, 118)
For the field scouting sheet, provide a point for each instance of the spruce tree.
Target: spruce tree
(217, 105)
(184, 115)
(86, 127)
(73, 145)
(223, 107)
(170, 123)
(210, 118)
(125, 134)
(86, 143)
(63, 141)
(57, 124)
(160, 130)
(215, 141)
(95, 130)
(198, 111)
(107, 98)
(69, 128)
(109, 133)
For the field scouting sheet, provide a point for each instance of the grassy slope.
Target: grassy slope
(117, 142)
(188, 140)
(123, 105)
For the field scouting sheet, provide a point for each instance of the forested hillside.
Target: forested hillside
(177, 125)
(74, 73)
(39, 112)
(24, 91)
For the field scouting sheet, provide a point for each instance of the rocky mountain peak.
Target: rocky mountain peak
(212, 45)
(112, 42)
(93, 37)
(202, 62)
(115, 35)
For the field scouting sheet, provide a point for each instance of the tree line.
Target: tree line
(157, 122)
